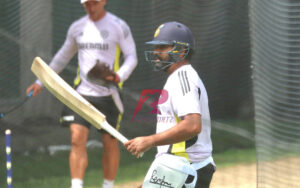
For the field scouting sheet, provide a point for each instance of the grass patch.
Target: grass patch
(233, 157)
(228, 140)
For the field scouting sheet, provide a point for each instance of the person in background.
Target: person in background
(99, 37)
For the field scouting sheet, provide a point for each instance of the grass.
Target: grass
(233, 157)
(45, 171)
(227, 140)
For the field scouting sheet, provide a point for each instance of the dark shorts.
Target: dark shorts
(104, 104)
(204, 176)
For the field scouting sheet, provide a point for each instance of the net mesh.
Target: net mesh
(275, 46)
(38, 28)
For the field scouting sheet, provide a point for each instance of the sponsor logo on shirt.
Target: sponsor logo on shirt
(93, 46)
(104, 34)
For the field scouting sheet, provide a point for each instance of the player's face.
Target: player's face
(161, 51)
(95, 9)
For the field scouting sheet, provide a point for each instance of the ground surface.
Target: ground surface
(227, 175)
(284, 175)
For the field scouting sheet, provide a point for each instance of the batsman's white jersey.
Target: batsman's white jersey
(102, 40)
(186, 95)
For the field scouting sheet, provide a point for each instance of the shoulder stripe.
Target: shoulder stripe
(184, 82)
(181, 83)
(187, 81)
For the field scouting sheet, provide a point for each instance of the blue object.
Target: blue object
(30, 93)
(8, 159)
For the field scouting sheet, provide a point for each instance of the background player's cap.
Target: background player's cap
(170, 32)
(83, 1)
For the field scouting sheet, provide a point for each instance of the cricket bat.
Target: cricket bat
(67, 95)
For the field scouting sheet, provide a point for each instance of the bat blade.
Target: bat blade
(67, 95)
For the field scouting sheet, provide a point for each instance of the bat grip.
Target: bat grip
(30, 94)
(113, 132)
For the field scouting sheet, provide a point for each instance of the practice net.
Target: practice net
(38, 28)
(275, 37)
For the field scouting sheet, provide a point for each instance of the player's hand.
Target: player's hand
(138, 145)
(36, 88)
(103, 72)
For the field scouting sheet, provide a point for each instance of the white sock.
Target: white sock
(108, 184)
(76, 183)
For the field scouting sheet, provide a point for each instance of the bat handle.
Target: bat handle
(106, 126)
(30, 94)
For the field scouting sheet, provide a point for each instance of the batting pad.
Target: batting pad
(169, 171)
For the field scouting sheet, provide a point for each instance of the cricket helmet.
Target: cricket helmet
(83, 1)
(175, 34)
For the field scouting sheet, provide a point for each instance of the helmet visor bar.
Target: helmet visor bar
(157, 63)
(162, 60)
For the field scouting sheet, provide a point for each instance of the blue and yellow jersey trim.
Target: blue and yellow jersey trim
(179, 149)
(117, 63)
(77, 79)
(120, 85)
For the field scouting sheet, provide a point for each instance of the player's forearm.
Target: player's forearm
(128, 66)
(58, 63)
(171, 137)
(184, 130)
(62, 58)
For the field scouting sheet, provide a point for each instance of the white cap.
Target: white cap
(83, 1)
